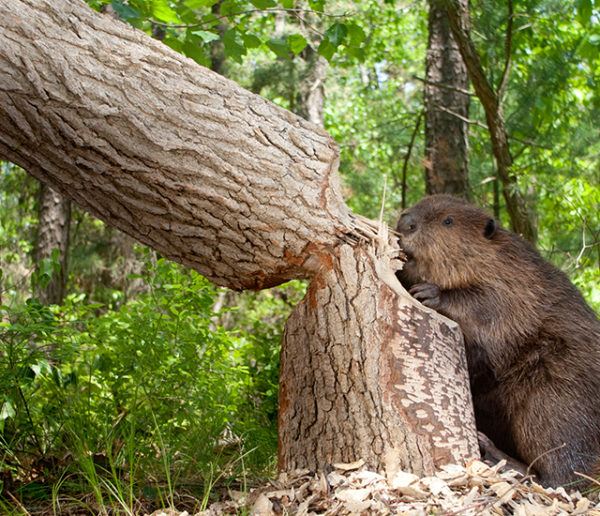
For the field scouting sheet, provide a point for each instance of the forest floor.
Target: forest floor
(348, 489)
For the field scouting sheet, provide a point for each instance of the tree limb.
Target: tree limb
(508, 49)
(515, 204)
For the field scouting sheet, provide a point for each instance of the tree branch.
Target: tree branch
(508, 49)
(458, 17)
(411, 143)
(445, 86)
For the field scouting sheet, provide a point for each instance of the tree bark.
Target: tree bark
(247, 194)
(458, 16)
(53, 233)
(311, 89)
(205, 172)
(446, 109)
(351, 387)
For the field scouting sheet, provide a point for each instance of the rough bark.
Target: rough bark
(247, 194)
(446, 109)
(351, 388)
(521, 222)
(53, 233)
(205, 172)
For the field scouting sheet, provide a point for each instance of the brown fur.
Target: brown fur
(533, 344)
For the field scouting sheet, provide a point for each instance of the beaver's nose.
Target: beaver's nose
(407, 224)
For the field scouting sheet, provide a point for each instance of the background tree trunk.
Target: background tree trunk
(458, 16)
(53, 233)
(312, 88)
(247, 194)
(446, 109)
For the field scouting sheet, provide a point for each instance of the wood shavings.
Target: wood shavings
(349, 489)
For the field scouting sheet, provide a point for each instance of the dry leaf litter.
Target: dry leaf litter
(455, 490)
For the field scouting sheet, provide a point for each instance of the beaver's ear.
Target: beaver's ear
(490, 228)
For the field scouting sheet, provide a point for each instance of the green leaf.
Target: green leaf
(584, 11)
(316, 5)
(233, 45)
(356, 52)
(174, 43)
(206, 36)
(336, 33)
(263, 4)
(192, 49)
(229, 7)
(326, 49)
(287, 4)
(198, 4)
(210, 20)
(296, 42)
(124, 11)
(357, 35)
(162, 11)
(251, 41)
(280, 47)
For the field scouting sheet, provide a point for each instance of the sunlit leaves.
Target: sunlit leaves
(199, 4)
(162, 11)
(336, 33)
(326, 49)
(251, 41)
(263, 4)
(234, 46)
(584, 11)
(189, 27)
(206, 36)
(297, 43)
(279, 47)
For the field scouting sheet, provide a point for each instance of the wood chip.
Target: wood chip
(351, 490)
(349, 466)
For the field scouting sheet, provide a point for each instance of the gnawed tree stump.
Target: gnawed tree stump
(247, 194)
(367, 372)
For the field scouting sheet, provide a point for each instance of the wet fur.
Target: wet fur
(533, 344)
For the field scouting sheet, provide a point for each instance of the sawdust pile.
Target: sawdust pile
(351, 490)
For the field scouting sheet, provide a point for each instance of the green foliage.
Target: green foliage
(155, 389)
(193, 26)
(373, 108)
(551, 105)
(18, 222)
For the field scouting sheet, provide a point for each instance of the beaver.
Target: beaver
(532, 342)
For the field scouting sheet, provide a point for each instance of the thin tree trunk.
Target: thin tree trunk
(312, 88)
(521, 222)
(446, 109)
(53, 233)
(247, 194)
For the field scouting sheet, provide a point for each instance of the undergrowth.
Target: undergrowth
(148, 405)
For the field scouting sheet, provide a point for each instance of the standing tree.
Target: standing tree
(446, 108)
(458, 16)
(246, 193)
(54, 215)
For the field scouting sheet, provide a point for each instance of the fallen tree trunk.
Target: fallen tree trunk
(247, 194)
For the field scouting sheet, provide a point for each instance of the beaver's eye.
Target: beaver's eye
(448, 221)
